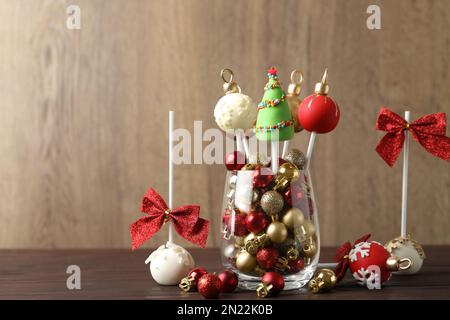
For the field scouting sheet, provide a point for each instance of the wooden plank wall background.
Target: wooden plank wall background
(83, 113)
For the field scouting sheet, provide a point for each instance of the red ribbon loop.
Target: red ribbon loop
(185, 220)
(429, 131)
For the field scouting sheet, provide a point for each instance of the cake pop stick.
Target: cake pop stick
(171, 118)
(274, 153)
(309, 151)
(318, 113)
(405, 177)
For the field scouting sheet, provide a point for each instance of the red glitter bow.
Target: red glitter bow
(341, 257)
(185, 220)
(429, 131)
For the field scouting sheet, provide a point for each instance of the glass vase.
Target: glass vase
(270, 223)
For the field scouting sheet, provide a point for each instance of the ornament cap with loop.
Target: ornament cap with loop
(229, 85)
(322, 87)
(396, 264)
(295, 87)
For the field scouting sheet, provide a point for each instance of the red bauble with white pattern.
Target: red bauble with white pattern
(318, 113)
(368, 264)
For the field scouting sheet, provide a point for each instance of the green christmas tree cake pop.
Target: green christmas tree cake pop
(274, 112)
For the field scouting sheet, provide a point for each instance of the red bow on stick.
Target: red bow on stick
(429, 131)
(185, 220)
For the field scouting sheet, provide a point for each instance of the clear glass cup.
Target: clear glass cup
(287, 242)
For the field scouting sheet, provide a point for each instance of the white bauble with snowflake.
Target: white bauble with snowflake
(235, 111)
(405, 247)
(169, 264)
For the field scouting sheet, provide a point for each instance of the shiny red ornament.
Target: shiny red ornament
(190, 282)
(367, 262)
(296, 265)
(235, 160)
(256, 221)
(262, 177)
(229, 281)
(240, 228)
(197, 273)
(293, 195)
(275, 279)
(318, 113)
(209, 286)
(429, 131)
(267, 257)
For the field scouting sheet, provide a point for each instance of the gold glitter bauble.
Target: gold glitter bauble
(272, 202)
(277, 232)
(296, 157)
(289, 171)
(245, 262)
(293, 218)
(240, 241)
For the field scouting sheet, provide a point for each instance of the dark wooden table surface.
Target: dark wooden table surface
(121, 274)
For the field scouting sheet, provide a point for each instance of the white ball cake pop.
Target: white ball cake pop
(405, 247)
(235, 111)
(169, 264)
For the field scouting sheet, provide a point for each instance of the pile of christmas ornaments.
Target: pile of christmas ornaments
(267, 222)
(210, 285)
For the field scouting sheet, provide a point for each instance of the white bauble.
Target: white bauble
(235, 111)
(405, 247)
(169, 264)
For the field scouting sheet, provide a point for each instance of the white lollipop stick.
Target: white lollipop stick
(171, 113)
(312, 140)
(239, 145)
(285, 148)
(405, 177)
(274, 154)
(246, 148)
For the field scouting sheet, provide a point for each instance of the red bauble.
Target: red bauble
(368, 264)
(209, 286)
(318, 113)
(296, 265)
(256, 221)
(275, 279)
(267, 258)
(229, 281)
(240, 229)
(262, 177)
(235, 160)
(197, 273)
(293, 195)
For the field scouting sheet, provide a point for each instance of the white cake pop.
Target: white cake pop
(169, 264)
(234, 110)
(405, 247)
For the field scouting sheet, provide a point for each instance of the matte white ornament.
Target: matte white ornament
(169, 264)
(235, 111)
(405, 247)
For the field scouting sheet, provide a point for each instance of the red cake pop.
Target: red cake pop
(318, 112)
